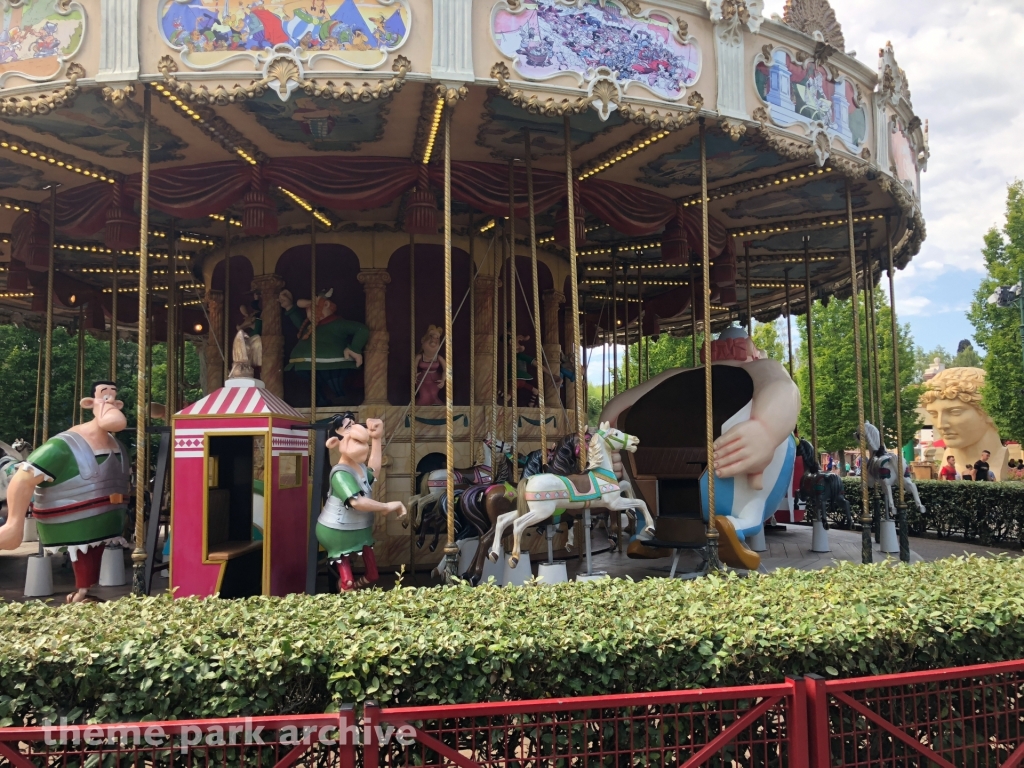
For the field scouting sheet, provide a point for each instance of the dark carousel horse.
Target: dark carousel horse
(822, 491)
(482, 504)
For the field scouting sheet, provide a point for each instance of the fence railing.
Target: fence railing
(968, 716)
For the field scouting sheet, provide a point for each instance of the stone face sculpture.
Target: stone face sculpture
(953, 401)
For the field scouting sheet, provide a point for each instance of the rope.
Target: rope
(570, 205)
(706, 273)
(875, 348)
(536, 301)
(39, 381)
(413, 388)
(615, 325)
(495, 296)
(226, 315)
(746, 271)
(472, 347)
(865, 519)
(312, 325)
(451, 550)
(49, 316)
(142, 383)
(789, 325)
(901, 513)
(810, 345)
(513, 352)
(113, 324)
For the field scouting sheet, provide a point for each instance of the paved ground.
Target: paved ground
(789, 548)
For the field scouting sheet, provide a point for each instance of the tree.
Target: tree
(666, 353)
(966, 357)
(836, 376)
(996, 329)
(767, 338)
(923, 360)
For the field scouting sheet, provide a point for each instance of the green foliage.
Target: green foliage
(968, 358)
(923, 360)
(997, 329)
(157, 658)
(836, 375)
(666, 353)
(990, 513)
(767, 338)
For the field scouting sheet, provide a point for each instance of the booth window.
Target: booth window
(290, 470)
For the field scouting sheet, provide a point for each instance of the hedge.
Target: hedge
(154, 658)
(990, 513)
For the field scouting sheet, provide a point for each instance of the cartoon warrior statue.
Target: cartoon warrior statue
(345, 526)
(339, 345)
(78, 483)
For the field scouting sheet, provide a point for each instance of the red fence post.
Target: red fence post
(371, 745)
(817, 711)
(796, 722)
(348, 736)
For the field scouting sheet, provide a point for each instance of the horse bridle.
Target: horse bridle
(614, 441)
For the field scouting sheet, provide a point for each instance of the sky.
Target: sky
(962, 60)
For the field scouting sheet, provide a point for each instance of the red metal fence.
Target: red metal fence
(969, 716)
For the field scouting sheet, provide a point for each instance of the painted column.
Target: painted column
(483, 322)
(553, 300)
(375, 361)
(269, 288)
(214, 360)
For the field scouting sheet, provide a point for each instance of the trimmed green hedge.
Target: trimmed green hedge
(155, 658)
(991, 513)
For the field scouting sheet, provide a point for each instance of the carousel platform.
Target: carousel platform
(788, 549)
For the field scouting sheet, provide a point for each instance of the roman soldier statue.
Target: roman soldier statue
(339, 345)
(78, 483)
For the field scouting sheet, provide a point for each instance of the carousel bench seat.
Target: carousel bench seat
(231, 550)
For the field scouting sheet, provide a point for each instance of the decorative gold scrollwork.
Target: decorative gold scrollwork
(25, 106)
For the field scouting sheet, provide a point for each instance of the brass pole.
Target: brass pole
(615, 324)
(113, 324)
(39, 381)
(451, 549)
(142, 384)
(750, 287)
(48, 356)
(414, 371)
(810, 347)
(693, 315)
(313, 323)
(495, 330)
(581, 424)
(227, 296)
(472, 345)
(865, 520)
(80, 364)
(503, 343)
(172, 339)
(640, 322)
(513, 350)
(625, 323)
(876, 347)
(868, 335)
(712, 562)
(901, 507)
(536, 301)
(789, 326)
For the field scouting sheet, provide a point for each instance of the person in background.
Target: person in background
(982, 471)
(948, 471)
(968, 473)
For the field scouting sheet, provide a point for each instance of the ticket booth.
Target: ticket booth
(239, 502)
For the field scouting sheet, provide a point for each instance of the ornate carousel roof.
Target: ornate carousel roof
(265, 110)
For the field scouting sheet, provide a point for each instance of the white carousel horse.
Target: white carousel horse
(883, 469)
(435, 483)
(544, 496)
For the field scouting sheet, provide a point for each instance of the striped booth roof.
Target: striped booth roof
(241, 397)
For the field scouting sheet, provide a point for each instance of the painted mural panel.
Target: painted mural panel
(904, 158)
(37, 37)
(323, 126)
(726, 159)
(807, 93)
(97, 126)
(545, 38)
(357, 32)
(823, 195)
(16, 175)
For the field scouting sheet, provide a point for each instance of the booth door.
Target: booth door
(234, 514)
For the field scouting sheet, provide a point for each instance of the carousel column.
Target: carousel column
(269, 288)
(214, 354)
(552, 348)
(483, 310)
(570, 389)
(375, 366)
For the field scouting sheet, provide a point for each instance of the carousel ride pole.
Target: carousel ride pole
(639, 322)
(312, 327)
(80, 363)
(901, 507)
(172, 338)
(570, 205)
(746, 273)
(513, 334)
(495, 332)
(503, 345)
(876, 348)
(865, 519)
(451, 549)
(48, 352)
(693, 314)
(810, 345)
(868, 335)
(142, 386)
(113, 324)
(536, 299)
(789, 324)
(472, 346)
(39, 382)
(227, 301)
(625, 325)
(713, 563)
(413, 373)
(615, 324)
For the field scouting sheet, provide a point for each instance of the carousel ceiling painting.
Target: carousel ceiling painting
(17, 175)
(547, 38)
(98, 126)
(806, 92)
(817, 196)
(209, 33)
(322, 125)
(726, 159)
(501, 129)
(833, 238)
(37, 36)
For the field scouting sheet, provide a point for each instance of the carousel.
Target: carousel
(431, 214)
